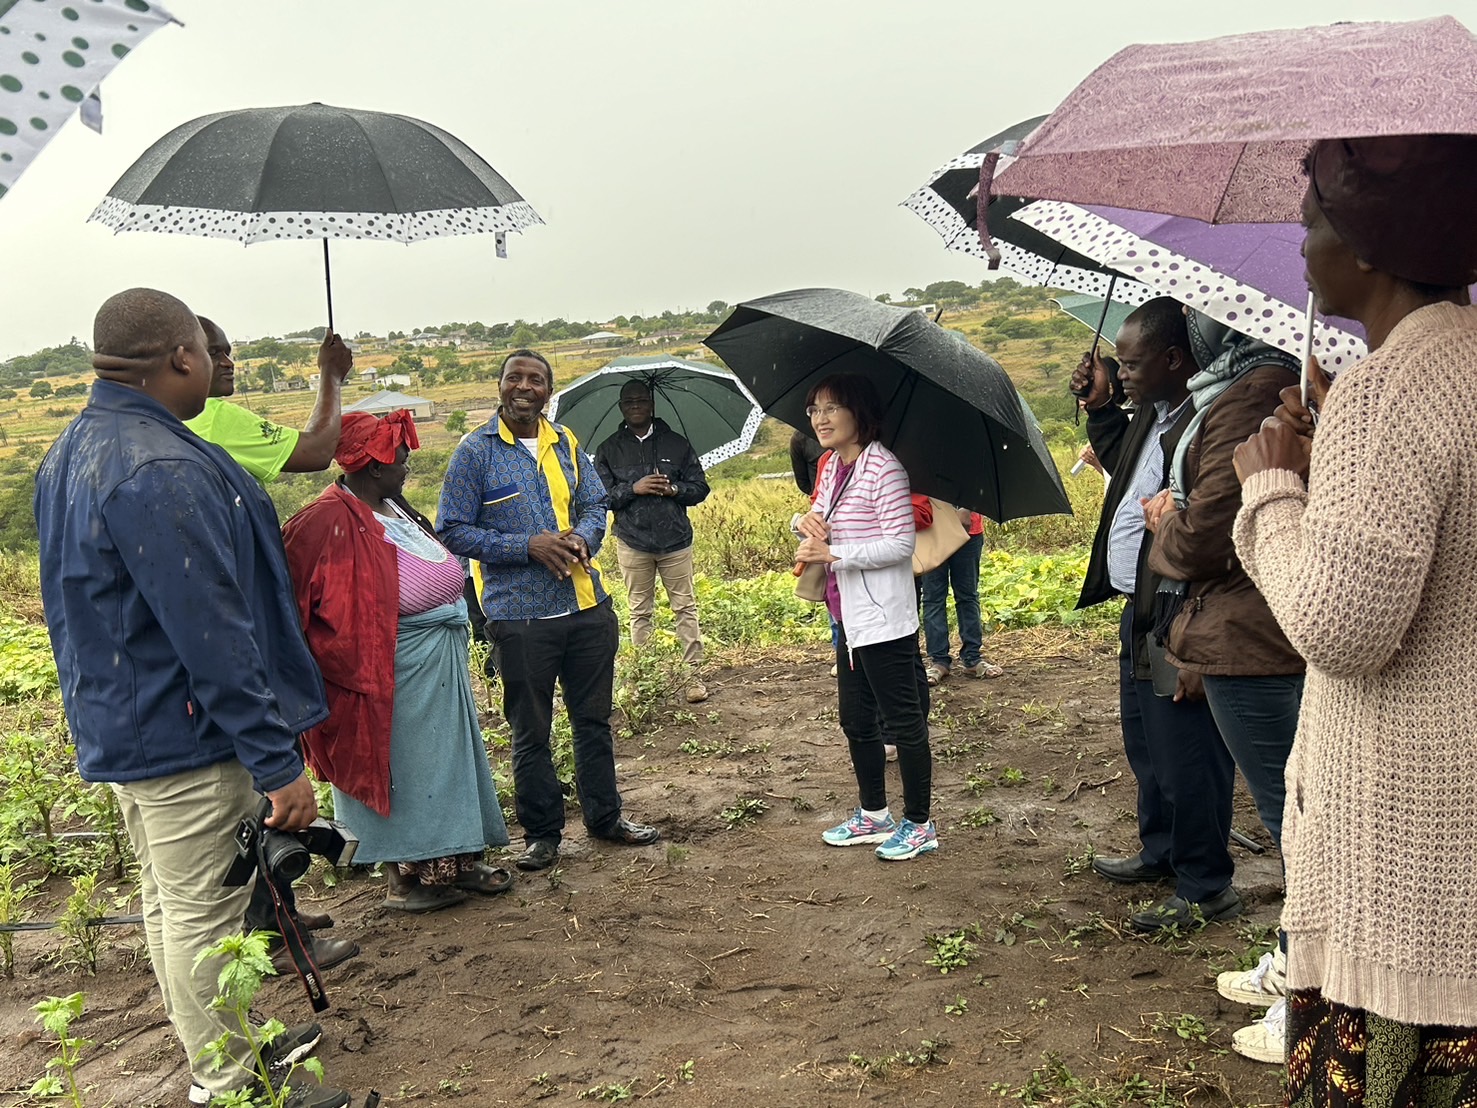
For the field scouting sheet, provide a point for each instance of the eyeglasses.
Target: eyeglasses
(828, 411)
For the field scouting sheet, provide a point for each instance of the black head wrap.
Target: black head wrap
(1406, 204)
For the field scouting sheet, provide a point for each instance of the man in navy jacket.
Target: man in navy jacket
(184, 672)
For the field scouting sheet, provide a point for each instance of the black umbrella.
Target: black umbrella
(954, 419)
(313, 171)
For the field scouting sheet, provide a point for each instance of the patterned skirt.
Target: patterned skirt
(1340, 1057)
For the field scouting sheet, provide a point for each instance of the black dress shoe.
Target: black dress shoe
(1128, 871)
(1179, 912)
(539, 854)
(630, 834)
(326, 952)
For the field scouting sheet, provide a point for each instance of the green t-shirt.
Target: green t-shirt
(259, 446)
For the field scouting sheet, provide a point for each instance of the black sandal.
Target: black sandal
(485, 880)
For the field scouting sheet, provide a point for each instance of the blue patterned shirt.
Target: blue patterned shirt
(496, 496)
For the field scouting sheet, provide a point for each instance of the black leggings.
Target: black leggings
(883, 696)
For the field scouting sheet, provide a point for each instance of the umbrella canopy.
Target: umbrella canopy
(52, 55)
(1088, 311)
(1216, 130)
(709, 407)
(947, 203)
(953, 417)
(313, 171)
(1246, 275)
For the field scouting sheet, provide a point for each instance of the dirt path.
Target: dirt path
(752, 965)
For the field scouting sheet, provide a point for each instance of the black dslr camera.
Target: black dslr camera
(286, 855)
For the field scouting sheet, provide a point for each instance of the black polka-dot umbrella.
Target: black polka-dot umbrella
(949, 204)
(313, 171)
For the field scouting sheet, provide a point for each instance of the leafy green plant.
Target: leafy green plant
(13, 895)
(926, 1054)
(1185, 1026)
(743, 811)
(645, 680)
(245, 964)
(57, 1014)
(979, 817)
(84, 937)
(611, 1092)
(952, 950)
(957, 1007)
(1078, 863)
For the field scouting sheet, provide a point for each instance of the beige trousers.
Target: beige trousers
(639, 570)
(182, 829)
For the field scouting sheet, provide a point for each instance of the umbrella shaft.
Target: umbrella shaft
(328, 285)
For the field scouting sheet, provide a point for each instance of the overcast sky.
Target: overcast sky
(680, 151)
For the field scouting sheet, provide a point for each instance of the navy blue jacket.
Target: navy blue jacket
(168, 601)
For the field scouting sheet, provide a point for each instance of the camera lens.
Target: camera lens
(287, 858)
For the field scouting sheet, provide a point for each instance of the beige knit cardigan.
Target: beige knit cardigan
(1372, 573)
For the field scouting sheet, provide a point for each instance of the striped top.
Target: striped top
(875, 504)
(429, 575)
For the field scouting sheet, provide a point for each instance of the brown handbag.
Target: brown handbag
(937, 544)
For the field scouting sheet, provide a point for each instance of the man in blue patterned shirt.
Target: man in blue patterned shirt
(523, 500)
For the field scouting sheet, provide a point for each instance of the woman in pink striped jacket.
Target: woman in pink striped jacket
(861, 528)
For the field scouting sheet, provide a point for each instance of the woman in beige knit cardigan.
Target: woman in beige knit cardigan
(1371, 570)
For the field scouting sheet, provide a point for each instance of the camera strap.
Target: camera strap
(297, 945)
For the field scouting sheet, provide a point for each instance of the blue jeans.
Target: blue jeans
(1185, 778)
(1257, 718)
(963, 569)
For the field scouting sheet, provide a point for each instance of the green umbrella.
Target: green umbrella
(705, 404)
(1088, 311)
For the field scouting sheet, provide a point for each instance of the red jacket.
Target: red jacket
(347, 582)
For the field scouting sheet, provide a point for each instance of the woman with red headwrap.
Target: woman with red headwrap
(1363, 540)
(381, 602)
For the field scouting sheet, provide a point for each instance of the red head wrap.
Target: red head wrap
(365, 439)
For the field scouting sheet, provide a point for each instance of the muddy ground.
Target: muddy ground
(750, 964)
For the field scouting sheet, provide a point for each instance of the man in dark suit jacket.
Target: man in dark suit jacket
(1185, 774)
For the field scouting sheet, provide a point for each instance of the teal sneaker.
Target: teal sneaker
(859, 829)
(908, 841)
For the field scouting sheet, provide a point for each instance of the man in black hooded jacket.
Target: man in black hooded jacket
(652, 477)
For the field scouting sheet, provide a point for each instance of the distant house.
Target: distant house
(600, 336)
(389, 401)
(393, 380)
(367, 376)
(431, 338)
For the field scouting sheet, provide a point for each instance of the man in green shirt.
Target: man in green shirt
(263, 448)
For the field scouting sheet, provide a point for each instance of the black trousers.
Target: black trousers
(261, 913)
(1185, 777)
(883, 694)
(577, 650)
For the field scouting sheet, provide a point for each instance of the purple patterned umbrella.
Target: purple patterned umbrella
(1246, 275)
(1216, 130)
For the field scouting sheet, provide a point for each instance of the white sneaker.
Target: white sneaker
(1265, 1040)
(1259, 987)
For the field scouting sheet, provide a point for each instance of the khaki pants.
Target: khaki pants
(182, 829)
(639, 570)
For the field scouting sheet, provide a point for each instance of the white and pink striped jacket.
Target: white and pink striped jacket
(872, 538)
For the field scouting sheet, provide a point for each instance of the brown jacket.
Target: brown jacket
(1225, 628)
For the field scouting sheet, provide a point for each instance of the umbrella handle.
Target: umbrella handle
(328, 284)
(1307, 350)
